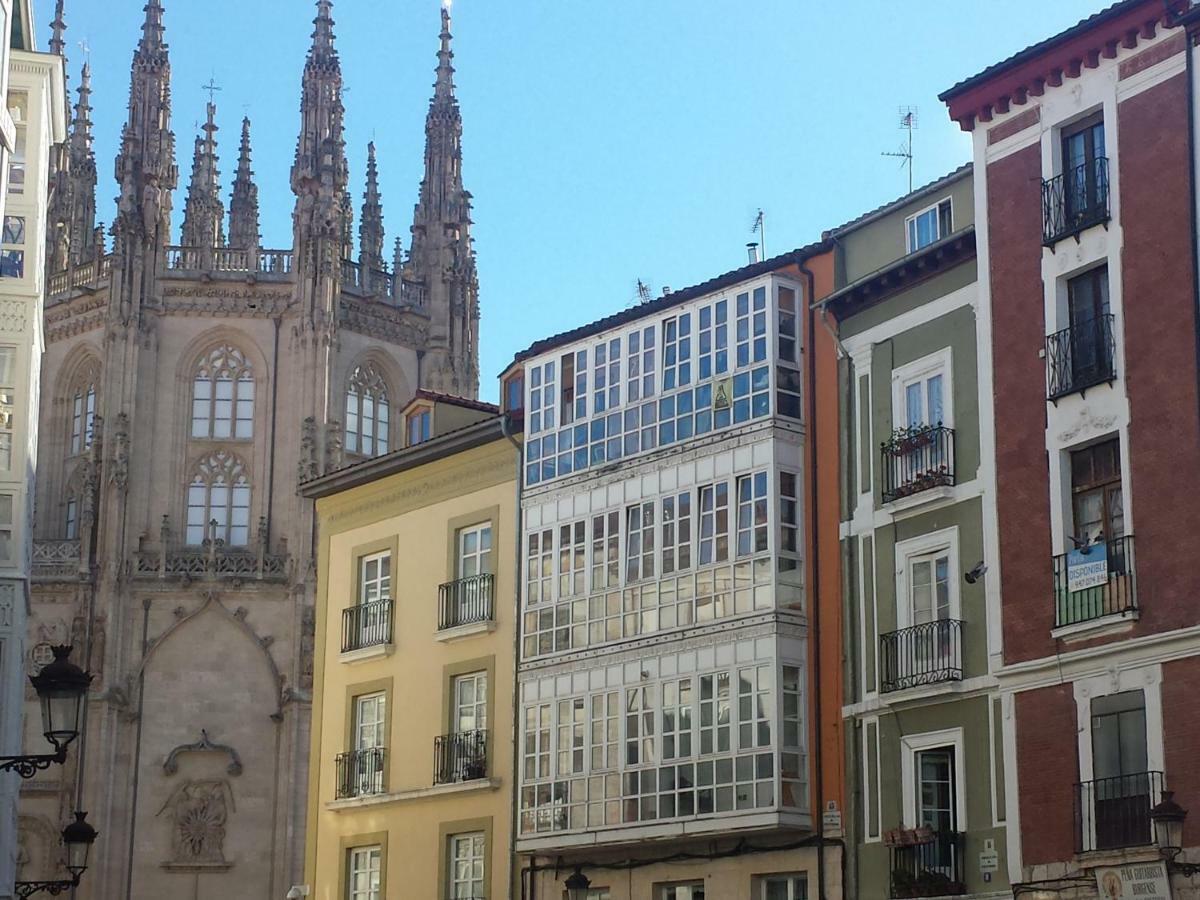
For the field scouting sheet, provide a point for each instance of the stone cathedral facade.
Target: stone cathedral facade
(187, 389)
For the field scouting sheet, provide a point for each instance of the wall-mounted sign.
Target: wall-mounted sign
(1087, 567)
(1145, 881)
(723, 393)
(989, 858)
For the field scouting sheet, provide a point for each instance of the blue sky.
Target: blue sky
(604, 141)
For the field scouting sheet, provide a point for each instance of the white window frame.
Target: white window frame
(471, 858)
(910, 746)
(380, 723)
(940, 362)
(478, 706)
(1147, 679)
(671, 891)
(421, 416)
(481, 555)
(912, 550)
(933, 207)
(789, 878)
(373, 857)
(379, 581)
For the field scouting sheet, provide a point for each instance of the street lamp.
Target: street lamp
(78, 838)
(1167, 818)
(577, 885)
(60, 686)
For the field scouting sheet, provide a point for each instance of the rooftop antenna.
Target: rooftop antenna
(759, 227)
(908, 123)
(643, 292)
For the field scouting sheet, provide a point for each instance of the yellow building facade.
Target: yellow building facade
(410, 786)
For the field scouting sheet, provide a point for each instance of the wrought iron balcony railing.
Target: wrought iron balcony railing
(1113, 813)
(460, 757)
(1075, 200)
(933, 867)
(916, 459)
(929, 653)
(366, 625)
(1080, 357)
(465, 601)
(1094, 582)
(361, 773)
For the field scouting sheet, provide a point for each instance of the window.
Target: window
(72, 526)
(714, 340)
(752, 522)
(8, 394)
(787, 325)
(420, 426)
(690, 890)
(375, 578)
(606, 730)
(751, 327)
(369, 739)
(929, 225)
(514, 392)
(467, 865)
(924, 399)
(791, 769)
(640, 369)
(714, 523)
(566, 409)
(1088, 314)
(754, 707)
(929, 587)
(18, 108)
(789, 522)
(677, 719)
(677, 533)
(365, 878)
(606, 550)
(571, 737)
(593, 894)
(470, 702)
(475, 550)
(714, 713)
(1096, 496)
(539, 567)
(368, 412)
(83, 417)
(223, 396)
(677, 352)
(1121, 794)
(937, 805)
(639, 541)
(219, 501)
(7, 526)
(784, 887)
(572, 558)
(1085, 172)
(639, 725)
(12, 242)
(536, 750)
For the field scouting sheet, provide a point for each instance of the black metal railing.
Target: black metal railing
(1099, 581)
(916, 459)
(465, 601)
(923, 654)
(1111, 813)
(459, 757)
(1080, 357)
(933, 868)
(366, 625)
(360, 773)
(1075, 200)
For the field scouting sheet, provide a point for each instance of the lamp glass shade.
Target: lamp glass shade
(1168, 817)
(78, 838)
(578, 886)
(61, 686)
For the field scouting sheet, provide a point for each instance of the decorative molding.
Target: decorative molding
(204, 745)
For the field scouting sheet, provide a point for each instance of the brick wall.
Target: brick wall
(1181, 739)
(1048, 766)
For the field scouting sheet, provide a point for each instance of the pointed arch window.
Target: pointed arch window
(219, 501)
(223, 396)
(83, 417)
(368, 412)
(76, 487)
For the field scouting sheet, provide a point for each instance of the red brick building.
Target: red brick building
(1085, 191)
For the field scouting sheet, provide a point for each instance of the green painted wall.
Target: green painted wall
(914, 297)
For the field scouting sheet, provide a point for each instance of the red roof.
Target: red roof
(464, 402)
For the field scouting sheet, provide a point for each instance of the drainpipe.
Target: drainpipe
(1189, 60)
(137, 748)
(815, 615)
(506, 428)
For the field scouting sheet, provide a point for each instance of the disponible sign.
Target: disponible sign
(1087, 568)
(1145, 881)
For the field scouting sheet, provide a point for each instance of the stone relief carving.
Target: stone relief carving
(308, 466)
(199, 812)
(120, 463)
(7, 603)
(333, 446)
(204, 745)
(308, 631)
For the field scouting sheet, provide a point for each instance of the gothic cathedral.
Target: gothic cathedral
(187, 389)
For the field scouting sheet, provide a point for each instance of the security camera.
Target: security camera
(976, 573)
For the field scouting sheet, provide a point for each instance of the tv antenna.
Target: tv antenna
(759, 227)
(908, 123)
(643, 293)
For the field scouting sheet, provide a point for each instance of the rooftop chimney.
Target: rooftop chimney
(752, 252)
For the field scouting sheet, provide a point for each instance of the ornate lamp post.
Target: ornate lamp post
(1168, 817)
(60, 686)
(78, 838)
(577, 885)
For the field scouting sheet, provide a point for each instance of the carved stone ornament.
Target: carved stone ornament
(204, 745)
(199, 813)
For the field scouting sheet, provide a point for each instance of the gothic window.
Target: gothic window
(83, 416)
(368, 412)
(220, 494)
(223, 396)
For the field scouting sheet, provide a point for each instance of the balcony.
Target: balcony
(460, 757)
(360, 773)
(1114, 813)
(933, 865)
(930, 653)
(1081, 357)
(467, 601)
(366, 625)
(1074, 201)
(56, 561)
(1095, 582)
(917, 459)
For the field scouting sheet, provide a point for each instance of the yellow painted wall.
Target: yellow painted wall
(415, 512)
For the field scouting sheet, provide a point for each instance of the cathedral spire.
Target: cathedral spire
(153, 30)
(243, 203)
(203, 213)
(319, 173)
(83, 174)
(370, 227)
(442, 256)
(58, 45)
